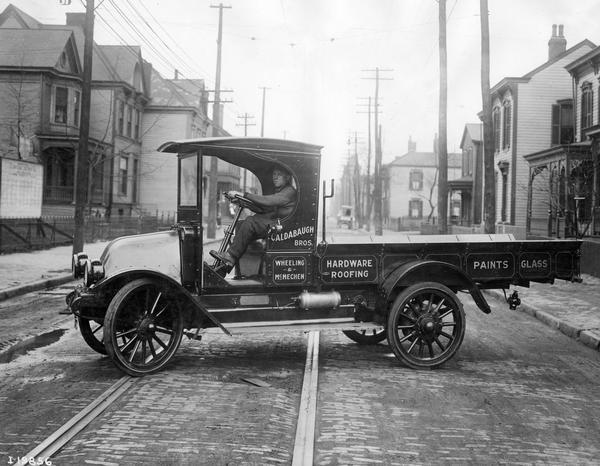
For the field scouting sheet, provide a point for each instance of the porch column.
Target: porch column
(529, 200)
(567, 204)
(594, 200)
(551, 201)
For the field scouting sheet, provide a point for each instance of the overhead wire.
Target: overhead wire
(161, 55)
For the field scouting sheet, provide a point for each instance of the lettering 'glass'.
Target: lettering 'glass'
(188, 181)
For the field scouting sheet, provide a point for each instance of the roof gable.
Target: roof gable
(508, 82)
(39, 48)
(474, 131)
(426, 159)
(121, 63)
(13, 17)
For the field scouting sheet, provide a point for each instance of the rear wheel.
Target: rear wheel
(366, 337)
(143, 327)
(426, 325)
(92, 332)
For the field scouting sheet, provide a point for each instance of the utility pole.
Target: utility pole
(245, 124)
(357, 183)
(82, 161)
(367, 197)
(489, 195)
(262, 119)
(378, 187)
(442, 125)
(211, 231)
(245, 117)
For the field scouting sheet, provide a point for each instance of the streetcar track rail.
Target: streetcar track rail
(77, 423)
(303, 449)
(305, 430)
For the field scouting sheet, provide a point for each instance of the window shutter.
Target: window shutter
(555, 125)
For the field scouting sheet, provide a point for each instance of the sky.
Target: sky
(317, 59)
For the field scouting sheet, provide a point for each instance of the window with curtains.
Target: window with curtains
(415, 208)
(61, 104)
(123, 165)
(416, 180)
(562, 123)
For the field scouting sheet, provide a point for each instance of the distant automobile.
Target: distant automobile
(345, 217)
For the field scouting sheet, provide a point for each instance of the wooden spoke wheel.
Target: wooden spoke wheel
(426, 325)
(92, 332)
(143, 327)
(366, 337)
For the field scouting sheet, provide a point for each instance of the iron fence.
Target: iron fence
(26, 234)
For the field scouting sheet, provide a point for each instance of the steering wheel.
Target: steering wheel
(244, 202)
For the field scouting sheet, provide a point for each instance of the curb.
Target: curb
(589, 337)
(53, 282)
(34, 286)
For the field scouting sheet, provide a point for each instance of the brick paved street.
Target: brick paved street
(200, 411)
(516, 392)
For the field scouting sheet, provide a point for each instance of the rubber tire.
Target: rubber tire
(90, 338)
(397, 307)
(110, 339)
(366, 339)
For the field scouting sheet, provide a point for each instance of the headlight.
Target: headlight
(94, 272)
(78, 264)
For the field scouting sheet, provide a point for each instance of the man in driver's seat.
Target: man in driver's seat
(275, 206)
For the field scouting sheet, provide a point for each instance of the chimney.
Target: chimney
(557, 43)
(412, 145)
(176, 73)
(76, 19)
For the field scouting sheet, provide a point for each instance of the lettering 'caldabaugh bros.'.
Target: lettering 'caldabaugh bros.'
(293, 233)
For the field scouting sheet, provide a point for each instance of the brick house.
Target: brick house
(530, 114)
(410, 188)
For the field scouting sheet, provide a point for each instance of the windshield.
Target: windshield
(188, 181)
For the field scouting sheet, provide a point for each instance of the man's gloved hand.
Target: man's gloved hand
(232, 194)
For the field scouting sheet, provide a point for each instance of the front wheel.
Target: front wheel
(92, 332)
(143, 327)
(426, 325)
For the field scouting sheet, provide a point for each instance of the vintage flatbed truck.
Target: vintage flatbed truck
(146, 291)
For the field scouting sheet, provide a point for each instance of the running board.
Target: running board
(340, 324)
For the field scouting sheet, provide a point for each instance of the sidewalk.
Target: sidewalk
(572, 308)
(25, 272)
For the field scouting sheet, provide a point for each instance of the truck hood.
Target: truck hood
(158, 252)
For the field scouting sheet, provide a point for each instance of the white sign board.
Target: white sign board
(21, 185)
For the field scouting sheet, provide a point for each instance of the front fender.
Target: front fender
(105, 290)
(436, 271)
